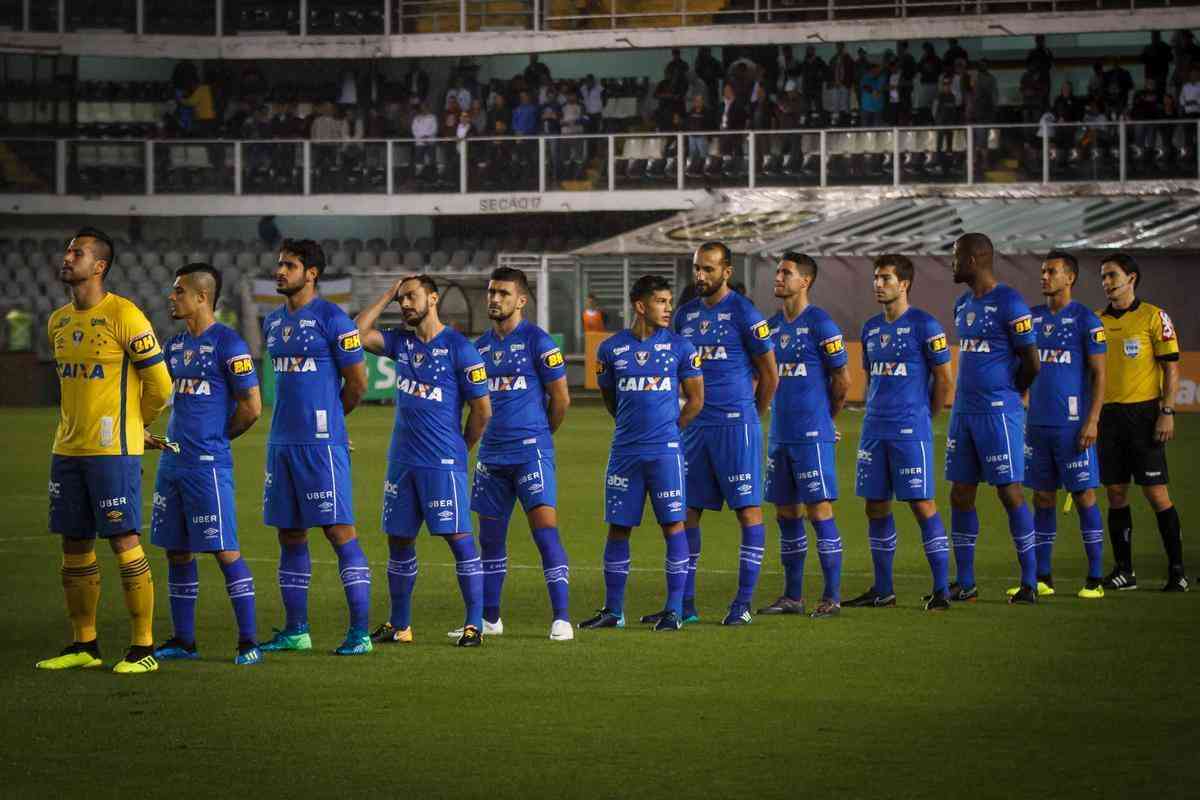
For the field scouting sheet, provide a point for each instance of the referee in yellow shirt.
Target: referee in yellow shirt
(1138, 419)
(113, 383)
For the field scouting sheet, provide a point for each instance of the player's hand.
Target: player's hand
(837, 435)
(153, 442)
(1087, 436)
(396, 288)
(1164, 429)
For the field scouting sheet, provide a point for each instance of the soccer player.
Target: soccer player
(641, 371)
(438, 371)
(997, 362)
(113, 384)
(907, 363)
(1064, 412)
(1138, 419)
(801, 467)
(216, 401)
(723, 449)
(316, 353)
(527, 381)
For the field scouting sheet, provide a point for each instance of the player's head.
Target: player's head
(418, 297)
(1119, 274)
(972, 257)
(89, 255)
(795, 273)
(712, 265)
(507, 293)
(301, 262)
(1060, 270)
(651, 299)
(893, 277)
(197, 286)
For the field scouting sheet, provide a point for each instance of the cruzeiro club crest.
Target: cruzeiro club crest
(642, 357)
(187, 357)
(1048, 328)
(970, 318)
(418, 359)
(884, 338)
(497, 357)
(784, 340)
(704, 326)
(286, 332)
(77, 336)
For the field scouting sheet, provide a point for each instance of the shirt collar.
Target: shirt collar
(1117, 313)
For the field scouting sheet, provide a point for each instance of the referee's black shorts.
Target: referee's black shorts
(1126, 445)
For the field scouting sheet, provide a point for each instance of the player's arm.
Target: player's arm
(372, 339)
(478, 414)
(1024, 344)
(604, 379)
(1096, 370)
(147, 358)
(245, 413)
(939, 394)
(766, 380)
(693, 400)
(354, 385)
(839, 387)
(558, 401)
(1164, 429)
(1027, 368)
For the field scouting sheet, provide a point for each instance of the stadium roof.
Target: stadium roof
(863, 221)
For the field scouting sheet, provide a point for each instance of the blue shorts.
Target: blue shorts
(724, 463)
(437, 497)
(988, 447)
(193, 509)
(308, 486)
(1055, 460)
(94, 496)
(630, 478)
(897, 467)
(801, 473)
(498, 486)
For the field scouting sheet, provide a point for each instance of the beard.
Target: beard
(499, 316)
(288, 290)
(415, 318)
(711, 290)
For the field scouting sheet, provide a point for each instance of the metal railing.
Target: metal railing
(959, 154)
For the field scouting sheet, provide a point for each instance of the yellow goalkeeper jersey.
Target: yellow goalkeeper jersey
(112, 376)
(1138, 338)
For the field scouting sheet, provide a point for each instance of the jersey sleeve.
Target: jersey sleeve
(239, 364)
(862, 339)
(551, 365)
(472, 374)
(604, 367)
(391, 342)
(755, 331)
(137, 338)
(1095, 340)
(345, 343)
(934, 346)
(1019, 322)
(1163, 338)
(831, 344)
(689, 361)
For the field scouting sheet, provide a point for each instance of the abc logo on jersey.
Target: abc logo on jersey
(618, 482)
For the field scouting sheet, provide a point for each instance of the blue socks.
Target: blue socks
(295, 572)
(402, 576)
(793, 547)
(937, 551)
(1045, 529)
(183, 587)
(1020, 525)
(493, 546)
(689, 587)
(829, 551)
(554, 568)
(750, 558)
(964, 530)
(882, 535)
(676, 567)
(240, 585)
(470, 578)
(616, 574)
(1092, 529)
(356, 581)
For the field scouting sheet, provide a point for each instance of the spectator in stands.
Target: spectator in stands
(449, 121)
(1118, 87)
(929, 72)
(786, 69)
(945, 112)
(203, 111)
(708, 69)
(1095, 87)
(841, 78)
(328, 126)
(525, 115)
(499, 117)
(536, 73)
(286, 123)
(1156, 60)
(906, 65)
(813, 75)
(571, 123)
(1067, 108)
(669, 103)
(1147, 104)
(735, 115)
(954, 51)
(479, 117)
(677, 72)
(1189, 105)
(416, 84)
(1032, 93)
(760, 104)
(1094, 132)
(458, 93)
(891, 109)
(987, 94)
(700, 117)
(862, 68)
(465, 129)
(424, 128)
(594, 317)
(1183, 46)
(957, 76)
(268, 231)
(1041, 61)
(871, 97)
(789, 115)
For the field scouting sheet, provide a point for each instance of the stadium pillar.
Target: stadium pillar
(304, 20)
(60, 166)
(578, 302)
(307, 150)
(625, 291)
(462, 16)
(537, 15)
(680, 157)
(895, 156)
(462, 166)
(612, 162)
(541, 151)
(387, 18)
(148, 157)
(751, 152)
(141, 17)
(824, 157)
(390, 162)
(219, 22)
(25, 15)
(1121, 140)
(970, 155)
(62, 16)
(237, 167)
(543, 293)
(1045, 154)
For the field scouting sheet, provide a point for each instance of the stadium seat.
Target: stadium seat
(389, 259)
(14, 259)
(330, 246)
(399, 244)
(438, 260)
(340, 260)
(414, 260)
(366, 259)
(222, 259)
(482, 260)
(268, 260)
(247, 262)
(197, 257)
(376, 245)
(173, 260)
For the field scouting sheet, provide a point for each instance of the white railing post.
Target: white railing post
(387, 19)
(680, 161)
(237, 167)
(462, 166)
(541, 151)
(830, 10)
(612, 162)
(537, 15)
(219, 26)
(462, 16)
(970, 154)
(824, 157)
(307, 167)
(1196, 147)
(140, 23)
(756, 3)
(25, 18)
(389, 162)
(751, 158)
(60, 166)
(1121, 145)
(149, 155)
(304, 17)
(1045, 130)
(895, 156)
(625, 291)
(62, 16)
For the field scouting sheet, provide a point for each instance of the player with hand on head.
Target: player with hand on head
(1064, 414)
(997, 363)
(641, 371)
(723, 448)
(320, 376)
(907, 362)
(801, 462)
(216, 401)
(527, 381)
(438, 371)
(113, 383)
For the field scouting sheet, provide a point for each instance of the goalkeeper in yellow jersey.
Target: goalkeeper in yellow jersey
(114, 382)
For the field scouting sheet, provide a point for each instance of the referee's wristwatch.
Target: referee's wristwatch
(1166, 411)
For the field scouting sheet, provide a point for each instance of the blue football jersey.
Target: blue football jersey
(990, 331)
(308, 349)
(726, 336)
(645, 376)
(434, 381)
(899, 358)
(209, 372)
(518, 367)
(806, 350)
(1061, 394)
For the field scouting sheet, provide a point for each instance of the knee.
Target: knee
(819, 512)
(878, 509)
(962, 497)
(923, 509)
(1118, 496)
(292, 537)
(618, 533)
(340, 534)
(1158, 497)
(180, 557)
(1011, 496)
(752, 515)
(1044, 499)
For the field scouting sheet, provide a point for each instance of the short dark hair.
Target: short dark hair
(1127, 263)
(977, 245)
(647, 285)
(726, 253)
(805, 263)
(426, 282)
(106, 252)
(1065, 257)
(207, 269)
(901, 265)
(310, 253)
(512, 275)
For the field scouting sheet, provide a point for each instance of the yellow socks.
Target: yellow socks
(81, 585)
(139, 594)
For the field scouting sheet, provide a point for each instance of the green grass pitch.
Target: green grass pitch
(1068, 699)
